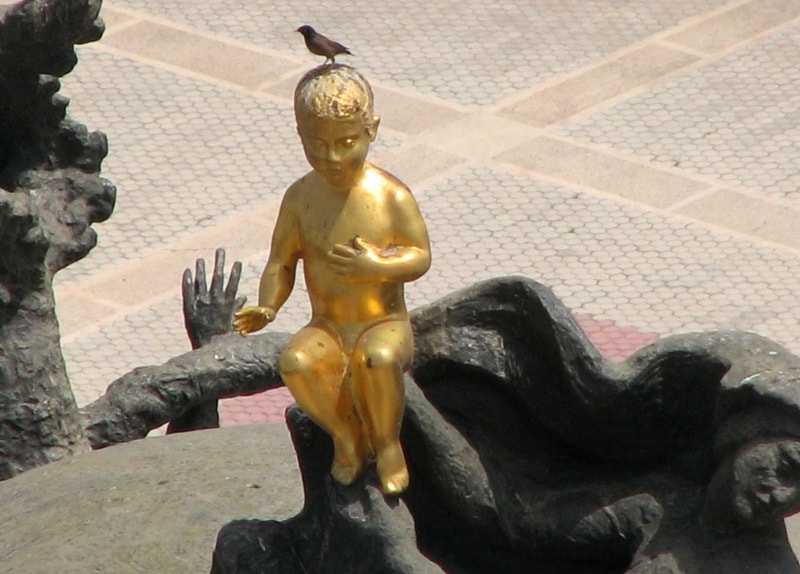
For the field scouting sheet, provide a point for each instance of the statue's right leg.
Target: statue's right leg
(313, 367)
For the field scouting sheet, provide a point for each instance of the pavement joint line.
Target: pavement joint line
(749, 39)
(425, 140)
(664, 212)
(209, 35)
(629, 157)
(723, 230)
(676, 171)
(599, 62)
(691, 199)
(259, 256)
(392, 132)
(566, 77)
(685, 49)
(426, 98)
(737, 46)
(445, 174)
(660, 39)
(260, 89)
(186, 243)
(110, 31)
(572, 185)
(755, 38)
(180, 71)
(602, 105)
(768, 199)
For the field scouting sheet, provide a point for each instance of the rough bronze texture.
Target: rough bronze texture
(531, 453)
(50, 194)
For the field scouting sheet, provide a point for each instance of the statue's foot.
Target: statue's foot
(392, 469)
(348, 462)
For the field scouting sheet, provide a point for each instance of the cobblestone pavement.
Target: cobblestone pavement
(640, 157)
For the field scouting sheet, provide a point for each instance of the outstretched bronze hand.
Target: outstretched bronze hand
(209, 312)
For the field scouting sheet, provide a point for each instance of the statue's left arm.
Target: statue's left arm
(406, 257)
(409, 255)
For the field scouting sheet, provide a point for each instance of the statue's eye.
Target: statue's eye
(349, 142)
(318, 144)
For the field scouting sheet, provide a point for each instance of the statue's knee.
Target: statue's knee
(292, 361)
(379, 356)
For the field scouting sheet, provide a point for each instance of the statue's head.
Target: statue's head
(333, 106)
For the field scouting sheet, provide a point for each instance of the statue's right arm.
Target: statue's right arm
(277, 279)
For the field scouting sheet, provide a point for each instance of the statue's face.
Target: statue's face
(336, 149)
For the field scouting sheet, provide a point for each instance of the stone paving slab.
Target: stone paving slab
(595, 85)
(615, 175)
(735, 119)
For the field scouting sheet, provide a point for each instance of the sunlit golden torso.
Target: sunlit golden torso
(326, 217)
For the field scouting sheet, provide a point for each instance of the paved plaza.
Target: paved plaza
(640, 157)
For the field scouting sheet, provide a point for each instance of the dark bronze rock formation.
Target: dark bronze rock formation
(531, 453)
(50, 194)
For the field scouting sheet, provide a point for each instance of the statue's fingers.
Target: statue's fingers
(187, 288)
(340, 250)
(201, 287)
(233, 280)
(338, 260)
(218, 278)
(239, 302)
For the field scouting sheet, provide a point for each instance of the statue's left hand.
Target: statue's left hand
(209, 312)
(357, 262)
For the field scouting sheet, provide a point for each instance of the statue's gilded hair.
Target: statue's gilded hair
(337, 92)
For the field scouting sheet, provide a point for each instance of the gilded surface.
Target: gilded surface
(361, 236)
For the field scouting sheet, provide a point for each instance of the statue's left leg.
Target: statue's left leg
(380, 356)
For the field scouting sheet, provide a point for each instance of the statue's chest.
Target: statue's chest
(364, 216)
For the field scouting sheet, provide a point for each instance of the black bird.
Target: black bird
(320, 45)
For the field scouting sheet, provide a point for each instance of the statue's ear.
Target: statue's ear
(373, 129)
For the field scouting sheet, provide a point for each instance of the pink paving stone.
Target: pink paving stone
(615, 342)
(266, 407)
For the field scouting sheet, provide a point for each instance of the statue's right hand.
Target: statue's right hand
(251, 319)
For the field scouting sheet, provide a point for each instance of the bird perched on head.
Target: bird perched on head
(320, 45)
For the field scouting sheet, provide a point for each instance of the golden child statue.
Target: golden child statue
(361, 237)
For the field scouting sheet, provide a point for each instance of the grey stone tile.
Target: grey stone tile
(737, 24)
(748, 215)
(77, 312)
(414, 164)
(411, 115)
(607, 173)
(185, 155)
(478, 136)
(199, 54)
(114, 18)
(421, 47)
(736, 119)
(598, 84)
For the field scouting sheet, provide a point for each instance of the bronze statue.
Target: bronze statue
(361, 237)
